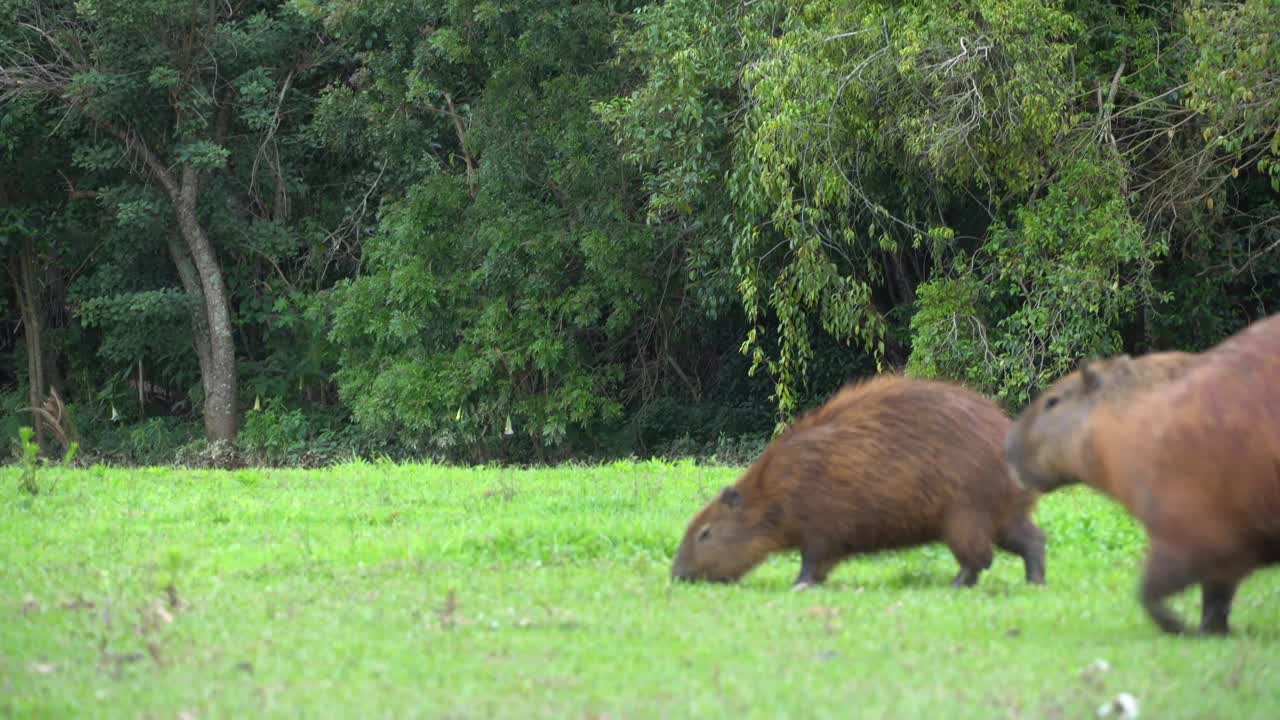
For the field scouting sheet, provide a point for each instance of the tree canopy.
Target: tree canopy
(526, 231)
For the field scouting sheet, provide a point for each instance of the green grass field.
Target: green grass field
(164, 594)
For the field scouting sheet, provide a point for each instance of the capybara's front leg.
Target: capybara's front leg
(815, 565)
(1026, 540)
(1165, 575)
(1215, 606)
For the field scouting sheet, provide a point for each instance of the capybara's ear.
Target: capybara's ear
(1091, 377)
(729, 496)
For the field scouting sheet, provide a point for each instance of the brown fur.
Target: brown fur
(1127, 378)
(886, 463)
(1196, 460)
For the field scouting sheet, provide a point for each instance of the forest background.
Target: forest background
(475, 231)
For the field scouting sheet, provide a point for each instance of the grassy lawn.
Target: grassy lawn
(327, 593)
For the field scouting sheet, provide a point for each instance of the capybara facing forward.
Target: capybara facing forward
(1195, 459)
(885, 463)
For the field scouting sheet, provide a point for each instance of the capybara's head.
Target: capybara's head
(722, 541)
(1043, 447)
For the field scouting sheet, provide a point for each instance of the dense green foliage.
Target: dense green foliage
(467, 229)
(423, 591)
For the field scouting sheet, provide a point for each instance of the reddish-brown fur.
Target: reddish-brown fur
(1196, 460)
(1127, 377)
(886, 463)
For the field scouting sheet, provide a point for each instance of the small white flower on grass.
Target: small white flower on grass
(1093, 672)
(1124, 706)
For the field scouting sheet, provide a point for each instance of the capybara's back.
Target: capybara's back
(886, 463)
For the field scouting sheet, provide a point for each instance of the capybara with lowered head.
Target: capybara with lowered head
(886, 463)
(1195, 459)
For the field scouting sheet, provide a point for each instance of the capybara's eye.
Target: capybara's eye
(1048, 404)
(705, 533)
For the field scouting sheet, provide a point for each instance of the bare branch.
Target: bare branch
(1105, 108)
(75, 194)
(462, 140)
(268, 140)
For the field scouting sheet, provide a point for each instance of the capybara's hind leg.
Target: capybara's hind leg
(815, 564)
(1025, 540)
(1165, 575)
(969, 539)
(1215, 606)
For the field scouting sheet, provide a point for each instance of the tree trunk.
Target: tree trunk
(219, 373)
(23, 277)
(53, 320)
(221, 381)
(199, 308)
(905, 289)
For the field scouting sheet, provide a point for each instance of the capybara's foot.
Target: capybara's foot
(967, 577)
(969, 538)
(1215, 607)
(1165, 620)
(1025, 540)
(1034, 563)
(815, 565)
(1166, 574)
(1215, 629)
